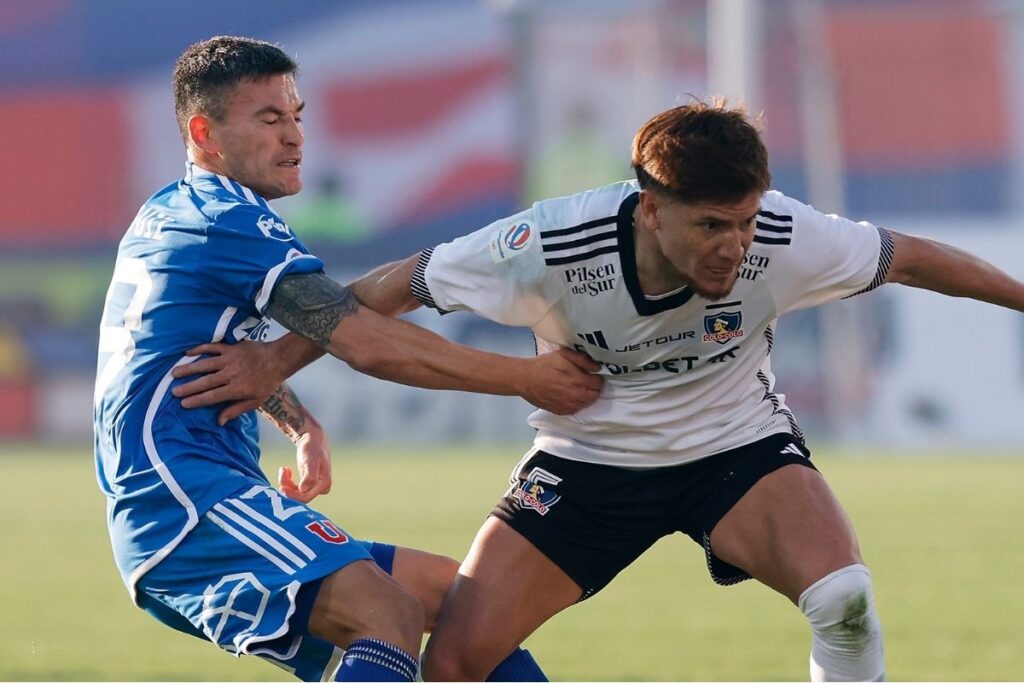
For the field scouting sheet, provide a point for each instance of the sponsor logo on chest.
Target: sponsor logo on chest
(666, 350)
(627, 361)
(273, 228)
(753, 267)
(591, 280)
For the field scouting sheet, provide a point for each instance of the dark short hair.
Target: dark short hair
(701, 152)
(208, 71)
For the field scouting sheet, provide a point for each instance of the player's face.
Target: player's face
(705, 242)
(260, 139)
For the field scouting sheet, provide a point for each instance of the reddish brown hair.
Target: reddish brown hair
(701, 152)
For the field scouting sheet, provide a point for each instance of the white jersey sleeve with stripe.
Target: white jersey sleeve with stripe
(494, 272)
(685, 377)
(831, 257)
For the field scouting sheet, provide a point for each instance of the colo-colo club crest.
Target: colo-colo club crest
(534, 494)
(721, 326)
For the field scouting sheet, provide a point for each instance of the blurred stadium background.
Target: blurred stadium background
(429, 118)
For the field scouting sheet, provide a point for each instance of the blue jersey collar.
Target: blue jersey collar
(194, 172)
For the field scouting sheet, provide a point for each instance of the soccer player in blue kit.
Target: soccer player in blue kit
(202, 540)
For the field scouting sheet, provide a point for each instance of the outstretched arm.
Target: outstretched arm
(312, 453)
(246, 372)
(384, 289)
(387, 289)
(924, 263)
(329, 314)
(315, 307)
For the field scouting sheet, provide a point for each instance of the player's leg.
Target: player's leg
(492, 608)
(561, 533)
(789, 532)
(267, 576)
(362, 609)
(426, 576)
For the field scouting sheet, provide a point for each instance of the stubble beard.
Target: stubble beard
(717, 296)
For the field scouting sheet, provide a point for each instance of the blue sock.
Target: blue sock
(369, 659)
(518, 666)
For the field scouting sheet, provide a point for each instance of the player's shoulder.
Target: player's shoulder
(776, 219)
(584, 226)
(775, 200)
(250, 219)
(601, 203)
(230, 207)
(783, 220)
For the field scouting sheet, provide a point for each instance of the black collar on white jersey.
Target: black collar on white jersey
(627, 256)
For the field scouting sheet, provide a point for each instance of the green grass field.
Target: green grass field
(944, 537)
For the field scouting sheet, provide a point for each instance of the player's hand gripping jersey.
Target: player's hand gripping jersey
(198, 264)
(685, 377)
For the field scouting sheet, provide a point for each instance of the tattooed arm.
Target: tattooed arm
(326, 316)
(287, 413)
(312, 454)
(329, 314)
(312, 305)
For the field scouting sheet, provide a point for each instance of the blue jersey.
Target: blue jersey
(198, 264)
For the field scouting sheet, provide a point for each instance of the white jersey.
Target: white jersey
(685, 377)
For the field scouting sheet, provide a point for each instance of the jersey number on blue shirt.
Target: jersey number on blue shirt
(121, 317)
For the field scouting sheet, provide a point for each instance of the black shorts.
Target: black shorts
(594, 520)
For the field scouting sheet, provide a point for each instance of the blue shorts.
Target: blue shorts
(247, 575)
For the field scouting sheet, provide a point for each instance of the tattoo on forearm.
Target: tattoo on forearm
(311, 305)
(286, 412)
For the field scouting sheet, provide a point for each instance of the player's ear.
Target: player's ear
(648, 210)
(200, 132)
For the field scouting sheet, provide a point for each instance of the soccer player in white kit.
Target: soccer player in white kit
(673, 284)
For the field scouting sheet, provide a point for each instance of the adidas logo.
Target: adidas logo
(595, 338)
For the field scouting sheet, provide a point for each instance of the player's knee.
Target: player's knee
(468, 659)
(847, 635)
(841, 604)
(378, 608)
(408, 617)
(441, 666)
(442, 572)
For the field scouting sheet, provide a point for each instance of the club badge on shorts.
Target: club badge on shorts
(535, 492)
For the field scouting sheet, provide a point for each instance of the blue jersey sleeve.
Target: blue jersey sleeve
(249, 250)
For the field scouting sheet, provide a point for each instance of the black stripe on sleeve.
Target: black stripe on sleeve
(583, 241)
(418, 283)
(768, 227)
(610, 249)
(544, 234)
(772, 240)
(885, 253)
(775, 216)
